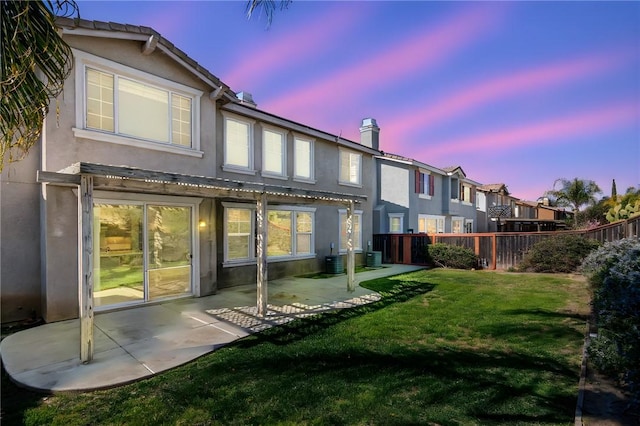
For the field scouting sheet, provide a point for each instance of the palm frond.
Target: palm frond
(35, 63)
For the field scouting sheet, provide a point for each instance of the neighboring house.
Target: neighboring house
(538, 216)
(153, 181)
(414, 197)
(494, 205)
(499, 211)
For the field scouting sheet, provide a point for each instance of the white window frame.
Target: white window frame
(396, 216)
(250, 144)
(426, 217)
(300, 178)
(84, 60)
(456, 188)
(351, 155)
(110, 197)
(283, 152)
(468, 222)
(294, 244)
(425, 194)
(466, 201)
(459, 219)
(357, 242)
(252, 250)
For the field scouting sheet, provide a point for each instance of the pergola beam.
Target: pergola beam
(89, 177)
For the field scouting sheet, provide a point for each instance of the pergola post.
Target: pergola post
(351, 261)
(261, 222)
(85, 267)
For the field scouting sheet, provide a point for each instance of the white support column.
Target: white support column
(261, 213)
(85, 267)
(351, 260)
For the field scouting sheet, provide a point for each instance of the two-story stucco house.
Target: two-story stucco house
(414, 197)
(154, 181)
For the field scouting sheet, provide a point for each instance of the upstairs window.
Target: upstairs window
(302, 158)
(467, 193)
(274, 148)
(455, 189)
(238, 143)
(425, 183)
(133, 108)
(350, 167)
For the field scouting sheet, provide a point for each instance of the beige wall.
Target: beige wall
(20, 239)
(64, 149)
(60, 254)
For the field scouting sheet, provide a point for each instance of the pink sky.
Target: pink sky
(522, 93)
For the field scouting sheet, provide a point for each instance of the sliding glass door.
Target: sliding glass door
(169, 254)
(142, 252)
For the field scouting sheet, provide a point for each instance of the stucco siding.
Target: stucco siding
(60, 254)
(394, 185)
(20, 240)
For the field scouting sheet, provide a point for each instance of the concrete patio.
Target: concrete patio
(137, 343)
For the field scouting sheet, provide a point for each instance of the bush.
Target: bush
(448, 256)
(614, 273)
(560, 253)
(599, 263)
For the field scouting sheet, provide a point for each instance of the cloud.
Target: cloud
(299, 44)
(427, 49)
(553, 131)
(500, 88)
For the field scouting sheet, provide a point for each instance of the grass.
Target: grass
(442, 347)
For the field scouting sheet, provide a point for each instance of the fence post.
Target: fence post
(494, 252)
(406, 250)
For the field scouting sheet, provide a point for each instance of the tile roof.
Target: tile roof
(494, 187)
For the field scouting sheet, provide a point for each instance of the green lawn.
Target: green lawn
(442, 347)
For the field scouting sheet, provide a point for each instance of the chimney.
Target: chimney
(246, 99)
(370, 133)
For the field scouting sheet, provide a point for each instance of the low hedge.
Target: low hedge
(448, 256)
(560, 253)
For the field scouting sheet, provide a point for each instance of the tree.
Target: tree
(267, 6)
(614, 191)
(574, 193)
(35, 64)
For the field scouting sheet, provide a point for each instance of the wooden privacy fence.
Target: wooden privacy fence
(499, 250)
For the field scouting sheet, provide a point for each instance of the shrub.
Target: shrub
(614, 272)
(560, 253)
(599, 263)
(448, 256)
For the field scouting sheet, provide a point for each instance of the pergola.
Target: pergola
(88, 177)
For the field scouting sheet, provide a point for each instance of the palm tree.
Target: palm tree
(35, 63)
(574, 193)
(267, 6)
